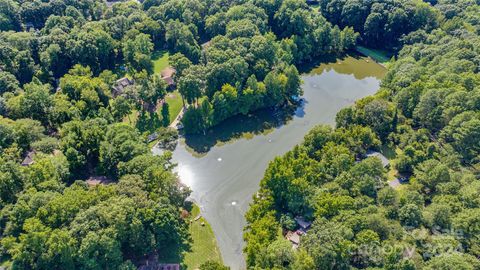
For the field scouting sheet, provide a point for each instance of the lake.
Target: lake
(224, 167)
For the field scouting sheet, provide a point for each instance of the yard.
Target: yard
(175, 104)
(204, 243)
(160, 60)
(202, 247)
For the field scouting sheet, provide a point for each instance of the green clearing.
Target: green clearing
(131, 119)
(381, 56)
(175, 104)
(160, 60)
(204, 244)
(202, 247)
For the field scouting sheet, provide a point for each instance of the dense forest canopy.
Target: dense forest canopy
(382, 24)
(427, 112)
(246, 47)
(248, 62)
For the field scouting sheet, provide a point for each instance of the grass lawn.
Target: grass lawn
(132, 118)
(175, 104)
(380, 56)
(204, 243)
(160, 60)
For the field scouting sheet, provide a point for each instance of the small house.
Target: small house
(170, 266)
(120, 85)
(294, 238)
(152, 137)
(151, 263)
(28, 160)
(303, 224)
(383, 159)
(167, 75)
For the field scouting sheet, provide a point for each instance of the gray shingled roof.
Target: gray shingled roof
(383, 159)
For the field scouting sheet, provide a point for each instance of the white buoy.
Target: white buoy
(219, 159)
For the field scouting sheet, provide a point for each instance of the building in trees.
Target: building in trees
(120, 85)
(168, 74)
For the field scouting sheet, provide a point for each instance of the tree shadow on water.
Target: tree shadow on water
(352, 63)
(307, 67)
(244, 126)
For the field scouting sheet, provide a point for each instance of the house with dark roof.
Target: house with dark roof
(303, 225)
(295, 236)
(160, 266)
(313, 2)
(167, 75)
(120, 85)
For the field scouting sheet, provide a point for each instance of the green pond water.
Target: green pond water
(224, 167)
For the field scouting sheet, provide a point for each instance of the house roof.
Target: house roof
(124, 82)
(167, 72)
(28, 160)
(121, 84)
(206, 44)
(169, 266)
(302, 222)
(167, 75)
(169, 80)
(293, 237)
(151, 265)
(383, 159)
